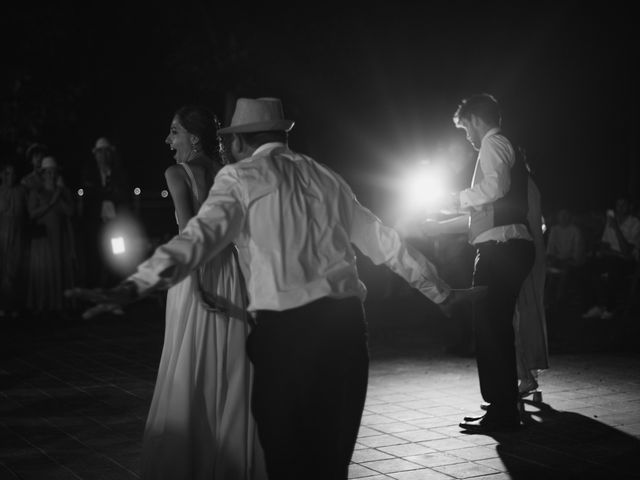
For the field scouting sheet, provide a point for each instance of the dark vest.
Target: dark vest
(510, 209)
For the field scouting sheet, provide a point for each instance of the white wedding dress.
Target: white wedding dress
(200, 424)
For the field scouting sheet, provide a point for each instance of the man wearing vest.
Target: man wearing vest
(495, 208)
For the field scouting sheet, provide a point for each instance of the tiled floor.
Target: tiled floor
(588, 425)
(73, 400)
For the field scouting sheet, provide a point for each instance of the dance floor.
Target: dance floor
(74, 398)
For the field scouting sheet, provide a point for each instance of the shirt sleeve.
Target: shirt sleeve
(634, 234)
(216, 224)
(383, 245)
(496, 157)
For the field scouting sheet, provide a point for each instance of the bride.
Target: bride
(200, 424)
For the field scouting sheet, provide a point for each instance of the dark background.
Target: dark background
(368, 85)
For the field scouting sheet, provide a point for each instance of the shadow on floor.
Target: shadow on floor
(567, 445)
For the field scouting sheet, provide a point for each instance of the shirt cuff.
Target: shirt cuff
(439, 295)
(146, 282)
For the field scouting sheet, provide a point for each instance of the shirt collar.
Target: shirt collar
(267, 146)
(490, 132)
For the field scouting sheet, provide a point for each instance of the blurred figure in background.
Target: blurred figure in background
(614, 260)
(34, 155)
(566, 257)
(13, 241)
(566, 244)
(52, 259)
(106, 194)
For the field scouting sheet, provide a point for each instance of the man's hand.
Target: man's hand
(460, 295)
(108, 300)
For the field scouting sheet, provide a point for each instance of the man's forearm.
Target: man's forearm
(455, 225)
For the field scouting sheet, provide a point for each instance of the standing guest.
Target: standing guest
(13, 222)
(496, 222)
(199, 423)
(294, 222)
(106, 195)
(34, 155)
(52, 259)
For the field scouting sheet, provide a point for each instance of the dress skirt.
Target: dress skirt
(200, 424)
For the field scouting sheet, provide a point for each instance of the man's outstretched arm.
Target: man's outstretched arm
(383, 245)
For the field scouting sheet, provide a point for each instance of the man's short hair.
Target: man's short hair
(255, 139)
(482, 105)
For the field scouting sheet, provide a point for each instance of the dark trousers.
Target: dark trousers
(310, 380)
(503, 267)
(610, 277)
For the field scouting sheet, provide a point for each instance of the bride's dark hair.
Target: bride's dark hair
(200, 121)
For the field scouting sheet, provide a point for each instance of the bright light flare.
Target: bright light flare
(117, 245)
(125, 244)
(137, 191)
(425, 187)
(80, 192)
(164, 194)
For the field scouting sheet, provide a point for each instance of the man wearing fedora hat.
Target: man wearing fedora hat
(106, 194)
(294, 222)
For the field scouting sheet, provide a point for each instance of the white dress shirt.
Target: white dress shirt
(495, 159)
(294, 222)
(566, 243)
(630, 228)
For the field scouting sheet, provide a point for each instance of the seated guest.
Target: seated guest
(615, 258)
(566, 245)
(566, 255)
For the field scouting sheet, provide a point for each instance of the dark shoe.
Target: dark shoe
(473, 419)
(527, 386)
(486, 424)
(483, 406)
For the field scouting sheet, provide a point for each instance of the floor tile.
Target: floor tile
(391, 465)
(74, 406)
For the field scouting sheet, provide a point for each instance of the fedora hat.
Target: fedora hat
(258, 115)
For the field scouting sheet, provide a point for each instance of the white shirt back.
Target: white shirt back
(294, 222)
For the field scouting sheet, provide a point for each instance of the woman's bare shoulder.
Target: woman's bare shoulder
(175, 172)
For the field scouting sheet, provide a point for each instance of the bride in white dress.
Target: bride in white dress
(200, 424)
